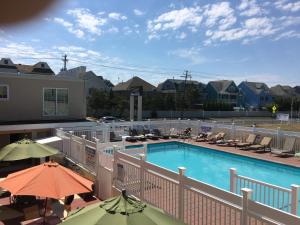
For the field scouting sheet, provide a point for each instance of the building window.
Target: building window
(5, 61)
(4, 92)
(56, 102)
(43, 65)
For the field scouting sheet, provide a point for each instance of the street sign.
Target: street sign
(274, 109)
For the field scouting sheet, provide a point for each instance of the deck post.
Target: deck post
(142, 171)
(70, 144)
(83, 151)
(181, 176)
(149, 124)
(232, 179)
(246, 197)
(295, 199)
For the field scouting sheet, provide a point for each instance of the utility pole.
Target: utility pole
(185, 75)
(65, 60)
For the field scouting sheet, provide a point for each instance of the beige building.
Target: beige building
(33, 95)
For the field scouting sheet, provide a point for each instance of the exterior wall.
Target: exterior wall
(211, 93)
(25, 101)
(253, 100)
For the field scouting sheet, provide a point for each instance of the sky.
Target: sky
(253, 40)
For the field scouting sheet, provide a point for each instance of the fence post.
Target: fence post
(278, 138)
(233, 130)
(142, 171)
(181, 171)
(232, 179)
(83, 153)
(149, 124)
(295, 199)
(246, 197)
(70, 144)
(253, 128)
(145, 145)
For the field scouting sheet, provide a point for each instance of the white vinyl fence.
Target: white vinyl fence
(189, 200)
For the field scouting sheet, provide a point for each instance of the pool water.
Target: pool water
(212, 166)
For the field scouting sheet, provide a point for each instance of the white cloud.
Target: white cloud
(287, 35)
(182, 35)
(250, 8)
(174, 20)
(87, 21)
(252, 28)
(219, 14)
(69, 26)
(138, 12)
(116, 16)
(191, 54)
(285, 5)
(113, 30)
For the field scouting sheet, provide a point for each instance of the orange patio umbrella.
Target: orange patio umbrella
(49, 180)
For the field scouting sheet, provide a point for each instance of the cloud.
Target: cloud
(138, 12)
(87, 21)
(116, 16)
(181, 36)
(252, 29)
(250, 8)
(219, 14)
(287, 35)
(174, 20)
(191, 54)
(287, 5)
(69, 26)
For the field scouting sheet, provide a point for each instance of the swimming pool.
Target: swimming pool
(212, 166)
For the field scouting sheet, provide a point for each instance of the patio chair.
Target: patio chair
(249, 141)
(31, 212)
(262, 147)
(288, 148)
(186, 133)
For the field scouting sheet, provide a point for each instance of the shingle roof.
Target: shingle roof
(134, 83)
(257, 87)
(161, 86)
(221, 85)
(282, 91)
(34, 69)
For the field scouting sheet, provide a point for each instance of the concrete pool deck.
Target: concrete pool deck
(290, 161)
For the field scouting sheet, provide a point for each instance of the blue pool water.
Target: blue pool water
(212, 166)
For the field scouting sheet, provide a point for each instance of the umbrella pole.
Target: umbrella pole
(44, 220)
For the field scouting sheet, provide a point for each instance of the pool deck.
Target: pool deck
(290, 161)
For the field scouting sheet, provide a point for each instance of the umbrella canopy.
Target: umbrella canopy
(25, 149)
(121, 210)
(46, 180)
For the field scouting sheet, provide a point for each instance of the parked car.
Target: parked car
(110, 119)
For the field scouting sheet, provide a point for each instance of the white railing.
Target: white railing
(278, 197)
(189, 200)
(103, 131)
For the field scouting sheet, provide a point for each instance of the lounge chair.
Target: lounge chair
(204, 137)
(288, 148)
(186, 133)
(249, 141)
(218, 138)
(262, 147)
(174, 133)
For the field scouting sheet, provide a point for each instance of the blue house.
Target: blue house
(224, 91)
(256, 95)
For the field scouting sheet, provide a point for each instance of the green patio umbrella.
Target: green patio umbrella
(25, 149)
(120, 210)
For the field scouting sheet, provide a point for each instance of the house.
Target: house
(90, 79)
(134, 84)
(255, 94)
(176, 86)
(224, 91)
(283, 91)
(34, 95)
